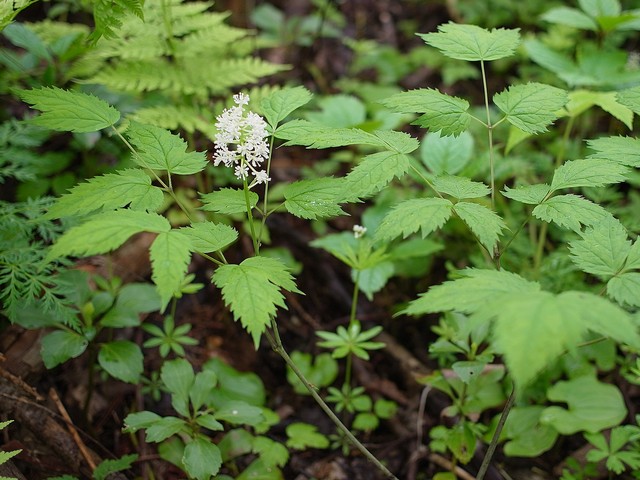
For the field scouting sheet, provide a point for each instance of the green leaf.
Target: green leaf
(365, 421)
(582, 100)
(315, 135)
(529, 194)
(633, 259)
(303, 436)
(316, 198)
(321, 370)
(483, 222)
(132, 300)
(60, 346)
(105, 232)
(170, 255)
(625, 289)
(373, 279)
(424, 214)
(64, 110)
(591, 172)
(139, 420)
(208, 237)
(624, 150)
(592, 406)
(398, 142)
(164, 427)
(277, 106)
(252, 291)
(526, 436)
(460, 187)
(373, 173)
(177, 375)
(446, 155)
(238, 412)
(122, 360)
(130, 187)
(272, 453)
(570, 211)
(339, 111)
(108, 467)
(159, 149)
(472, 43)
(232, 384)
(531, 107)
(441, 112)
(603, 248)
(630, 98)
(23, 36)
(228, 201)
(571, 17)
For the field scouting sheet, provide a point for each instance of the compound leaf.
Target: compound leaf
(424, 214)
(64, 110)
(603, 248)
(531, 107)
(277, 106)
(460, 187)
(624, 150)
(228, 201)
(590, 172)
(170, 255)
(374, 173)
(484, 223)
(316, 198)
(208, 237)
(570, 211)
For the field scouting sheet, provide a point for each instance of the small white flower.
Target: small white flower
(359, 231)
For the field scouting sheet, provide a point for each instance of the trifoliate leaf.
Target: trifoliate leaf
(373, 173)
(122, 360)
(472, 43)
(582, 100)
(485, 224)
(630, 98)
(60, 346)
(105, 232)
(159, 149)
(208, 237)
(170, 255)
(130, 187)
(460, 187)
(529, 194)
(441, 112)
(315, 135)
(531, 107)
(624, 150)
(592, 406)
(252, 291)
(446, 155)
(317, 198)
(424, 214)
(303, 436)
(228, 201)
(279, 104)
(469, 293)
(590, 172)
(570, 211)
(526, 437)
(202, 458)
(603, 248)
(64, 110)
(625, 288)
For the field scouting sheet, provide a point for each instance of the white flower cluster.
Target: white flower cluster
(241, 141)
(359, 231)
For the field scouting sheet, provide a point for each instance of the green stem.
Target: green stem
(486, 461)
(490, 134)
(266, 192)
(252, 228)
(354, 298)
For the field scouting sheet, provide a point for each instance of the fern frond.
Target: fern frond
(173, 117)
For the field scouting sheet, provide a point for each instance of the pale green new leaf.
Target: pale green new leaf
(603, 248)
(315, 135)
(531, 107)
(446, 155)
(590, 172)
(373, 173)
(570, 211)
(630, 98)
(228, 201)
(208, 237)
(64, 110)
(529, 194)
(121, 359)
(625, 288)
(170, 255)
(252, 291)
(460, 187)
(470, 292)
(105, 232)
(472, 43)
(441, 112)
(424, 214)
(316, 198)
(582, 100)
(159, 149)
(485, 224)
(277, 106)
(130, 187)
(624, 150)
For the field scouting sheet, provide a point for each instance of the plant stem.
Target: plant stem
(490, 134)
(486, 461)
(247, 200)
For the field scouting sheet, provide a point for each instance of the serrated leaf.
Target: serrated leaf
(603, 248)
(469, 293)
(441, 112)
(339, 111)
(590, 172)
(633, 258)
(130, 187)
(460, 187)
(228, 201)
(122, 360)
(170, 255)
(278, 105)
(252, 291)
(399, 142)
(531, 107)
(60, 346)
(315, 135)
(108, 467)
(582, 100)
(570, 211)
(424, 214)
(64, 110)
(630, 98)
(316, 198)
(208, 237)
(529, 194)
(446, 155)
(484, 223)
(472, 43)
(624, 150)
(272, 453)
(303, 436)
(105, 232)
(625, 288)
(159, 149)
(373, 173)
